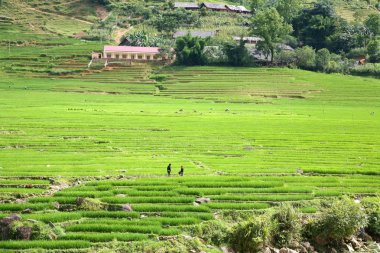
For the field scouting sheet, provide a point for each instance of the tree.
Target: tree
(269, 25)
(142, 38)
(305, 57)
(257, 4)
(288, 9)
(322, 59)
(373, 24)
(189, 50)
(171, 20)
(237, 54)
(373, 49)
(314, 26)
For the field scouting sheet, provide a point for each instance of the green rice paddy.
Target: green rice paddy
(248, 138)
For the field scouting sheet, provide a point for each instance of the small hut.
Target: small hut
(214, 7)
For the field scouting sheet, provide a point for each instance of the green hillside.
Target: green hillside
(73, 18)
(84, 150)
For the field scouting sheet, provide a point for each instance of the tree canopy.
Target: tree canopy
(189, 50)
(271, 26)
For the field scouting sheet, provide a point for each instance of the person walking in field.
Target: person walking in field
(169, 169)
(181, 171)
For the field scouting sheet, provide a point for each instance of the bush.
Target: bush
(26, 230)
(159, 77)
(88, 204)
(287, 58)
(374, 49)
(237, 54)
(211, 232)
(343, 218)
(369, 69)
(251, 235)
(372, 209)
(189, 50)
(305, 57)
(288, 226)
(322, 59)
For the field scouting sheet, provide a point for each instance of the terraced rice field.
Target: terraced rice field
(248, 138)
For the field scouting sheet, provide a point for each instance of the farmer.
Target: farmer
(169, 169)
(181, 171)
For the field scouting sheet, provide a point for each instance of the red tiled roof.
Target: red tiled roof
(155, 50)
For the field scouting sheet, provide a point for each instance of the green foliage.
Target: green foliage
(252, 235)
(369, 69)
(373, 49)
(314, 26)
(189, 50)
(322, 59)
(305, 57)
(77, 244)
(372, 209)
(88, 204)
(289, 9)
(39, 230)
(288, 226)
(134, 9)
(213, 232)
(257, 4)
(141, 38)
(159, 77)
(373, 24)
(269, 25)
(343, 218)
(237, 54)
(171, 20)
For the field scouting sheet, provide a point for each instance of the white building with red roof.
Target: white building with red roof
(129, 53)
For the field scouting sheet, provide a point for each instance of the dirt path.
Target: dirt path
(120, 33)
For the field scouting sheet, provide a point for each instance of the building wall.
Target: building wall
(131, 56)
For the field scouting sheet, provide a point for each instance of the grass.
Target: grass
(105, 237)
(104, 228)
(69, 244)
(247, 138)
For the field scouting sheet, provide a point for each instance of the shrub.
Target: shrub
(341, 219)
(305, 57)
(288, 225)
(369, 69)
(88, 204)
(26, 230)
(237, 54)
(159, 77)
(372, 209)
(322, 59)
(251, 235)
(287, 58)
(211, 232)
(189, 50)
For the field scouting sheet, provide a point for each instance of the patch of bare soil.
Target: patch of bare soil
(9, 132)
(101, 12)
(119, 35)
(12, 147)
(80, 35)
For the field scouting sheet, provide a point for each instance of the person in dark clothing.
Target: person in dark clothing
(169, 169)
(181, 171)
